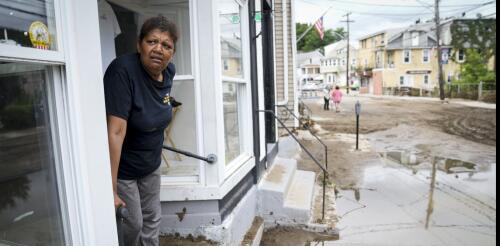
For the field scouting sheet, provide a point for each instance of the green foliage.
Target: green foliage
(475, 70)
(480, 34)
(312, 40)
(20, 114)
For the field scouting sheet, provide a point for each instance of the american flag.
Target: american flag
(320, 28)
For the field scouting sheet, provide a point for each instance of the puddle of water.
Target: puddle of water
(449, 166)
(428, 208)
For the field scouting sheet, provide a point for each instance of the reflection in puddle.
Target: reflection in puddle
(405, 157)
(449, 166)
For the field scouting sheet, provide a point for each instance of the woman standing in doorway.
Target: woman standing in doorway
(337, 98)
(138, 107)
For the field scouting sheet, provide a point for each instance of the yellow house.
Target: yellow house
(403, 61)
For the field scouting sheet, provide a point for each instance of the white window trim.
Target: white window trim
(428, 56)
(409, 56)
(246, 140)
(458, 56)
(428, 79)
(83, 209)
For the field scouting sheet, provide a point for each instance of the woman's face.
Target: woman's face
(156, 50)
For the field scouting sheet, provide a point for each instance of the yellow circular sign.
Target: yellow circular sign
(39, 35)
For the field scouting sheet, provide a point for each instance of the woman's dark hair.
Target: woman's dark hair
(161, 23)
(337, 88)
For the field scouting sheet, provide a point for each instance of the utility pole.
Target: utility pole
(348, 21)
(439, 51)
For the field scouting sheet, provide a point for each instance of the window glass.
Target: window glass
(30, 212)
(461, 55)
(231, 121)
(231, 43)
(426, 55)
(28, 23)
(415, 38)
(407, 56)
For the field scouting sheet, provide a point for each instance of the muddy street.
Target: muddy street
(425, 173)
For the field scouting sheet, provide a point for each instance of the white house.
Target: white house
(55, 179)
(309, 65)
(334, 65)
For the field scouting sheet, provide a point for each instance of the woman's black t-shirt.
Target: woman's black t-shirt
(131, 94)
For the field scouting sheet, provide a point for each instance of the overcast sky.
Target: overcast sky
(371, 16)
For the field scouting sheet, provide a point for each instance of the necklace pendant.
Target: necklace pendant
(166, 99)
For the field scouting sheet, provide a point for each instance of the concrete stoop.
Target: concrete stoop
(285, 194)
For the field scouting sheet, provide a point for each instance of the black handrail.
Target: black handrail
(306, 107)
(211, 159)
(312, 133)
(325, 172)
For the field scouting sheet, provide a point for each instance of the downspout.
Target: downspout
(255, 90)
(294, 61)
(285, 55)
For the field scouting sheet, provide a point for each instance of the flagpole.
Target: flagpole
(312, 26)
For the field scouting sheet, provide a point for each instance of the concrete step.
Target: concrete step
(255, 233)
(299, 199)
(275, 185)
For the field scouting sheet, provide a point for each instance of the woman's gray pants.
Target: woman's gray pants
(142, 199)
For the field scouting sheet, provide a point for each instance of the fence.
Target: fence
(483, 91)
(311, 94)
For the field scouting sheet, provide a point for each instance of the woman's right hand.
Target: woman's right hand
(119, 202)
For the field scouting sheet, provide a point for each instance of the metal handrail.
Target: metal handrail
(310, 131)
(211, 159)
(325, 172)
(307, 107)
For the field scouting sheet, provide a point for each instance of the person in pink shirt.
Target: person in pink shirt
(337, 98)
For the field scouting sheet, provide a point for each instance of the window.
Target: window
(407, 56)
(402, 80)
(426, 79)
(234, 83)
(415, 39)
(335, 62)
(426, 56)
(231, 121)
(461, 55)
(379, 63)
(343, 62)
(390, 59)
(28, 24)
(30, 212)
(226, 65)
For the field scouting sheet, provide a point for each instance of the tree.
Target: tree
(479, 34)
(475, 70)
(312, 40)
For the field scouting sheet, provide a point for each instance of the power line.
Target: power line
(457, 8)
(398, 5)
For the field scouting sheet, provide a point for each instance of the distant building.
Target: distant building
(403, 60)
(334, 65)
(309, 65)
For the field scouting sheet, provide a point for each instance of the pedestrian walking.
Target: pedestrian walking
(336, 96)
(326, 98)
(139, 109)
